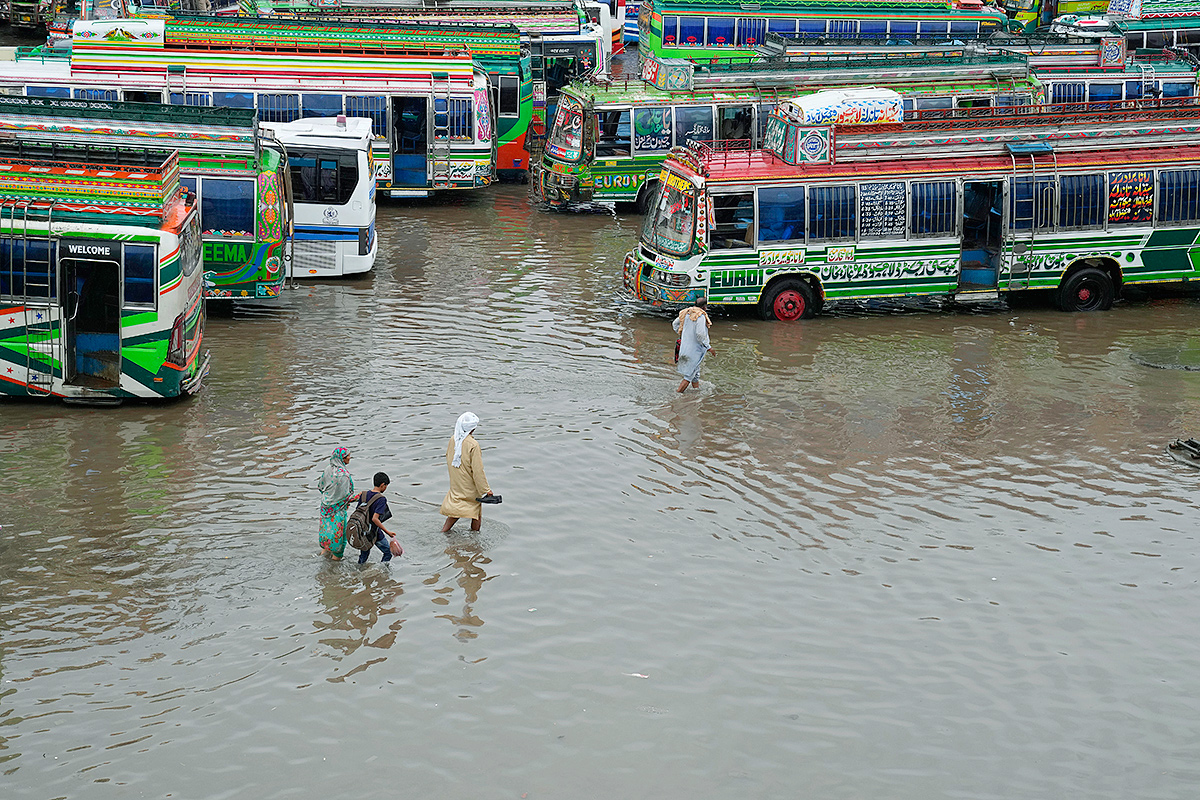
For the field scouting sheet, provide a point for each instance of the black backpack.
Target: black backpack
(359, 532)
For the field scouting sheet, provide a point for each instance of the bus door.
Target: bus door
(410, 142)
(91, 271)
(735, 123)
(982, 235)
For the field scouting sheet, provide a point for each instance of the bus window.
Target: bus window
(750, 32)
(933, 28)
(904, 29)
(781, 215)
(873, 28)
(810, 27)
(48, 91)
(373, 107)
(613, 133)
(143, 97)
(1082, 201)
(843, 27)
(720, 32)
(1067, 93)
(1157, 40)
(233, 99)
(1133, 90)
(670, 32)
(1178, 89)
(1027, 210)
(832, 212)
(278, 107)
(191, 99)
(964, 28)
(508, 95)
(96, 94)
(934, 209)
(934, 102)
(1179, 195)
(1104, 92)
(33, 258)
(325, 177)
(693, 124)
(141, 276)
(733, 221)
(227, 206)
(764, 112)
(320, 105)
(783, 27)
(734, 122)
(691, 30)
(652, 129)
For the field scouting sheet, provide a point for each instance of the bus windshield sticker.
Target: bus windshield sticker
(652, 129)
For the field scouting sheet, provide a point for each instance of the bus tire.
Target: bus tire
(643, 198)
(787, 300)
(1089, 289)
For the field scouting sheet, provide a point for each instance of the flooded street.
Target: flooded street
(903, 554)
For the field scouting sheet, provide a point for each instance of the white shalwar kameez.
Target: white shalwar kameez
(693, 342)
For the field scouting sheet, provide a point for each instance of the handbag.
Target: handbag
(394, 546)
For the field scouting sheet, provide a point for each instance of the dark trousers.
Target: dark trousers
(381, 541)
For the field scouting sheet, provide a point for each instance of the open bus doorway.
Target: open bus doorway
(982, 235)
(92, 313)
(410, 142)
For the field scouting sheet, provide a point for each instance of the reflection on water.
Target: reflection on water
(890, 551)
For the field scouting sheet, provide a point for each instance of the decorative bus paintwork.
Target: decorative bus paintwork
(431, 111)
(101, 287)
(333, 186)
(723, 28)
(626, 129)
(1078, 201)
(238, 176)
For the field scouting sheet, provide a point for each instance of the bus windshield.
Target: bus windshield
(566, 135)
(670, 223)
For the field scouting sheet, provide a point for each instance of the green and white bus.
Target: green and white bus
(1078, 204)
(608, 142)
(101, 287)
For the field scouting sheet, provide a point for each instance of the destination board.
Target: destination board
(882, 210)
(1131, 196)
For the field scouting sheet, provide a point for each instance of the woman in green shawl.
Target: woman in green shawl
(337, 490)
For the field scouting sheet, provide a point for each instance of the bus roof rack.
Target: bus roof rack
(1025, 148)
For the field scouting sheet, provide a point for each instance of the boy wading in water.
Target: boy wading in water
(379, 513)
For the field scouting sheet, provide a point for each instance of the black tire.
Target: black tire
(1089, 289)
(643, 198)
(794, 298)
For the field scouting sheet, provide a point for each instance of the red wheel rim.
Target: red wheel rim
(788, 306)
(1085, 294)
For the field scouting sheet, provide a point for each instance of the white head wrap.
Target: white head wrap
(466, 423)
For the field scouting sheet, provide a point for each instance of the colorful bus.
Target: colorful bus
(721, 29)
(1077, 202)
(238, 175)
(607, 143)
(431, 112)
(101, 290)
(333, 185)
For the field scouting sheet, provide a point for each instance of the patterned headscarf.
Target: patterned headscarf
(335, 484)
(466, 423)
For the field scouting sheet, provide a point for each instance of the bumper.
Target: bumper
(559, 190)
(637, 281)
(195, 382)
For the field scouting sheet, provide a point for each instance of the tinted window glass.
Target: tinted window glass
(141, 283)
(720, 32)
(227, 206)
(691, 30)
(96, 94)
(321, 105)
(965, 28)
(693, 124)
(832, 215)
(233, 99)
(872, 27)
(1179, 195)
(324, 176)
(781, 215)
(191, 99)
(1178, 89)
(811, 26)
(904, 29)
(47, 91)
(1104, 91)
(784, 27)
(670, 29)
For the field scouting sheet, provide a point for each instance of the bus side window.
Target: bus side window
(934, 209)
(832, 212)
(781, 215)
(733, 217)
(141, 276)
(278, 107)
(764, 111)
(1082, 201)
(613, 133)
(39, 267)
(1179, 195)
(227, 206)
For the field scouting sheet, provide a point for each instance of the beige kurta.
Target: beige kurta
(467, 481)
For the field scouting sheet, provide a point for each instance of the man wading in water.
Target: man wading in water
(464, 462)
(692, 324)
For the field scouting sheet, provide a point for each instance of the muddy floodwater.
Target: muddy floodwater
(892, 552)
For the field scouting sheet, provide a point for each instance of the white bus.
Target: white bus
(333, 190)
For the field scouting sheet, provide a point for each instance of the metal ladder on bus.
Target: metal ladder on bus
(1021, 259)
(1148, 79)
(439, 150)
(43, 345)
